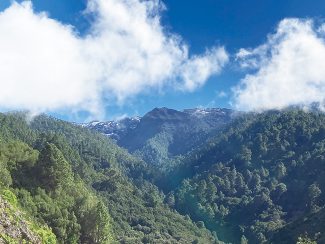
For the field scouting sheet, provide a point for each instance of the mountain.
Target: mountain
(261, 178)
(82, 186)
(114, 129)
(248, 178)
(245, 176)
(163, 134)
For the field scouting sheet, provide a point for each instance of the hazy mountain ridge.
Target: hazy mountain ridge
(114, 129)
(117, 129)
(164, 133)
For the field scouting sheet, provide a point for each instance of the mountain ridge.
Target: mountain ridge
(169, 131)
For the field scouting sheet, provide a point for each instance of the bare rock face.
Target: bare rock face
(14, 227)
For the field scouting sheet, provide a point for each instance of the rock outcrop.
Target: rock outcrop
(14, 228)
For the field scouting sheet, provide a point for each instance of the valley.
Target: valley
(192, 176)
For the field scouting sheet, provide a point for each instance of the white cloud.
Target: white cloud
(46, 66)
(197, 70)
(222, 94)
(289, 69)
(42, 65)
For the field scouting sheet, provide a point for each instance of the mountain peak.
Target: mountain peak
(164, 114)
(117, 129)
(172, 131)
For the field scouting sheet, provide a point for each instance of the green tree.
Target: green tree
(314, 192)
(55, 171)
(102, 225)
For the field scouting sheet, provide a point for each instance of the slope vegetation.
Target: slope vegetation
(264, 172)
(84, 187)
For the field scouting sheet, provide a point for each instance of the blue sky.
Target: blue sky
(233, 24)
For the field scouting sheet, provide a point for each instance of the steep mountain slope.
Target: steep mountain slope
(76, 180)
(46, 187)
(257, 178)
(162, 134)
(262, 173)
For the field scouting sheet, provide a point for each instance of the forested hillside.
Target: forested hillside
(261, 179)
(257, 179)
(84, 187)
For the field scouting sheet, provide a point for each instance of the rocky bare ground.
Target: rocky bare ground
(13, 226)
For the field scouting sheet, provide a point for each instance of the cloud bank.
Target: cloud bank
(47, 66)
(289, 69)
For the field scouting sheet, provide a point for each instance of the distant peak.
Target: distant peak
(202, 112)
(94, 122)
(162, 109)
(163, 113)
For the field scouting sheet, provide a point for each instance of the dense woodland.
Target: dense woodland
(260, 174)
(258, 179)
(85, 188)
